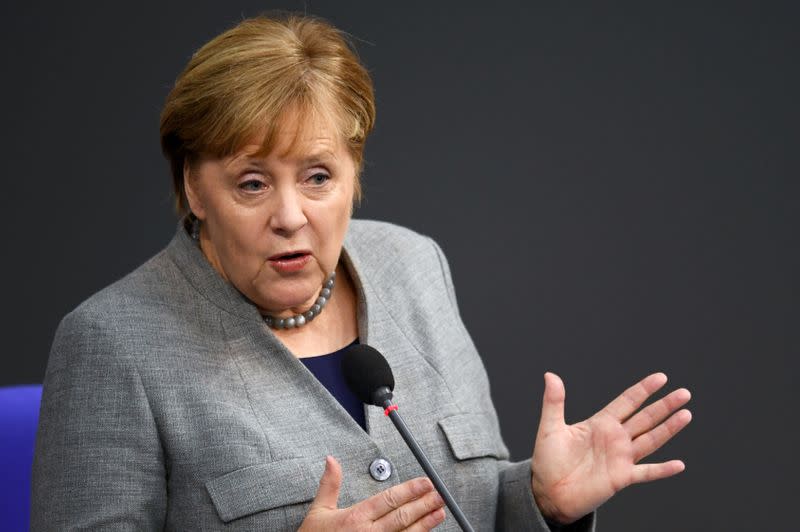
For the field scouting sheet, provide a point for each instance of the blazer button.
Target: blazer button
(380, 469)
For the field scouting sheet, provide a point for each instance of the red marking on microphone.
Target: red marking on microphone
(389, 409)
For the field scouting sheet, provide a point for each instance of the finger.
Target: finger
(654, 414)
(652, 440)
(329, 484)
(410, 513)
(631, 399)
(552, 403)
(650, 472)
(432, 520)
(393, 498)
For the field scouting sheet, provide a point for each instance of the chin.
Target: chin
(283, 302)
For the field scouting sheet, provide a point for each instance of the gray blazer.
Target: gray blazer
(168, 404)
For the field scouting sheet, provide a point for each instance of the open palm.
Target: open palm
(578, 467)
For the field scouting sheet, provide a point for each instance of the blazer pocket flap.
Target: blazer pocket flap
(473, 435)
(265, 486)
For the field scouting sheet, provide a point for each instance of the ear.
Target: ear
(190, 186)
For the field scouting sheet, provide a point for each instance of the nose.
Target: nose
(287, 216)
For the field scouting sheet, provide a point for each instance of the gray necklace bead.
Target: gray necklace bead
(301, 319)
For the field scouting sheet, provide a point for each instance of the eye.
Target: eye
(252, 185)
(319, 178)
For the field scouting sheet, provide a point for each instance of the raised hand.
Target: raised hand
(413, 505)
(578, 467)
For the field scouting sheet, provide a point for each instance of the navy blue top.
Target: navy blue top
(328, 370)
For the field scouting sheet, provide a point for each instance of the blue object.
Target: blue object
(19, 414)
(328, 371)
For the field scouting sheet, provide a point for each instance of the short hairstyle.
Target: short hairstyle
(242, 83)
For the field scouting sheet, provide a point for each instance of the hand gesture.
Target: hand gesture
(413, 505)
(578, 467)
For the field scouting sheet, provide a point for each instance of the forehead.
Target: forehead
(298, 133)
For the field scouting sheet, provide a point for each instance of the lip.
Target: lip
(277, 256)
(290, 261)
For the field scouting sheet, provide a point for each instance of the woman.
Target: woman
(202, 391)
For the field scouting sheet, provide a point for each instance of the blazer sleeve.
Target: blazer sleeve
(98, 462)
(516, 507)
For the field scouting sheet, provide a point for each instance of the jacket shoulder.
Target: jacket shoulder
(360, 229)
(402, 265)
(151, 285)
(379, 242)
(119, 316)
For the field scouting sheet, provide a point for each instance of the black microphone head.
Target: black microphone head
(366, 372)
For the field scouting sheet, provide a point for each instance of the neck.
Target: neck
(335, 328)
(300, 316)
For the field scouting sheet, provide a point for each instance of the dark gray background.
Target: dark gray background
(615, 188)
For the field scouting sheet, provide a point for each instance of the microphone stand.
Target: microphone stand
(384, 398)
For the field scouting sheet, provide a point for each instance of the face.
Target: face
(274, 225)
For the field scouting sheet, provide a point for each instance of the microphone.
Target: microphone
(369, 376)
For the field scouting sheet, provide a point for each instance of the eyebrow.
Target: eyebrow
(243, 160)
(317, 158)
(251, 160)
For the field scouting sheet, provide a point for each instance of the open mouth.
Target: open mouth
(294, 261)
(289, 256)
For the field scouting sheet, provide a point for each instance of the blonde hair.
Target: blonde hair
(243, 83)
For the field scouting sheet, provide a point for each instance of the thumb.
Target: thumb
(552, 403)
(328, 492)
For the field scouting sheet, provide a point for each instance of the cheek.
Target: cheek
(239, 236)
(341, 217)
(332, 228)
